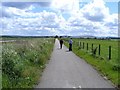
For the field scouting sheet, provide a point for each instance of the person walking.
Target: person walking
(70, 44)
(61, 43)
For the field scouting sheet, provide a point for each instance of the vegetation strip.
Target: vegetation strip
(24, 60)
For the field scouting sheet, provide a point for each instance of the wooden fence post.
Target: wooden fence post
(92, 46)
(87, 46)
(109, 52)
(83, 45)
(99, 49)
(80, 44)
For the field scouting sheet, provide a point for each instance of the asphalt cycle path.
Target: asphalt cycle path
(66, 70)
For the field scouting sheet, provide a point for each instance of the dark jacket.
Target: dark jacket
(61, 41)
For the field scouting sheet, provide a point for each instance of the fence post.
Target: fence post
(87, 46)
(83, 45)
(109, 52)
(80, 44)
(99, 50)
(92, 46)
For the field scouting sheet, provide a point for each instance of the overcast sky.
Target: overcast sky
(59, 17)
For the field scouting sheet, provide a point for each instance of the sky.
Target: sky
(59, 17)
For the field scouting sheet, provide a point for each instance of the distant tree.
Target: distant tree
(56, 36)
(60, 36)
(95, 38)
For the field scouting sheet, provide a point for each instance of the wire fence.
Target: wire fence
(95, 49)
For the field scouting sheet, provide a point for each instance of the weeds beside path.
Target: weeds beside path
(24, 60)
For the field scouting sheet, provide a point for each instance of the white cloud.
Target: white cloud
(65, 6)
(49, 19)
(95, 11)
(29, 21)
(93, 19)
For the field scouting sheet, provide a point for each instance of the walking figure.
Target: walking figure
(70, 44)
(61, 43)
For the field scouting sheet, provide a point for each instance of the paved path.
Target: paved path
(66, 70)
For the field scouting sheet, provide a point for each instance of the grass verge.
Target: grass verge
(24, 60)
(108, 68)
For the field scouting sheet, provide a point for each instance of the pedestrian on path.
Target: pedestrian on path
(61, 42)
(70, 44)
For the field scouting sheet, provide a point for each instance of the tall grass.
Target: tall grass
(108, 68)
(0, 66)
(23, 61)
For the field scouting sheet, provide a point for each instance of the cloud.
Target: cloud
(95, 11)
(22, 5)
(5, 12)
(65, 6)
(11, 12)
(16, 4)
(50, 20)
(27, 22)
(92, 19)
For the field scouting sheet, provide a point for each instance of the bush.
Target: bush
(9, 61)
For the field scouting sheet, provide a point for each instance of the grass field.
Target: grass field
(108, 68)
(24, 60)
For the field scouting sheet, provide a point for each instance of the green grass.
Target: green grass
(24, 60)
(0, 66)
(108, 68)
